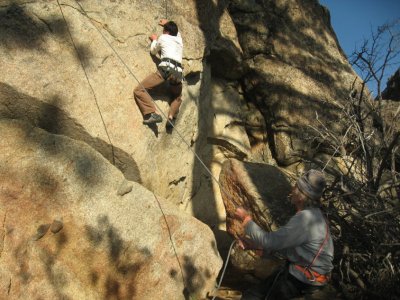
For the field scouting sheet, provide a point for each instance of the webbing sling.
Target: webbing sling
(172, 61)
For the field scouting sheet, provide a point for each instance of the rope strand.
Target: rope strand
(177, 131)
(88, 81)
(170, 238)
(158, 107)
(166, 9)
(223, 271)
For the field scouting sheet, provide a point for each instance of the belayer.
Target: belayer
(305, 241)
(170, 47)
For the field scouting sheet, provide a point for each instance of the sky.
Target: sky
(353, 20)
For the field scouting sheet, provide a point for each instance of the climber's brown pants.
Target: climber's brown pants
(144, 101)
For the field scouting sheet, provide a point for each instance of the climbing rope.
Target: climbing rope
(170, 238)
(273, 283)
(87, 78)
(223, 271)
(166, 9)
(88, 81)
(83, 12)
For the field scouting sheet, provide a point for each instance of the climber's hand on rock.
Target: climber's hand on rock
(243, 243)
(162, 22)
(153, 37)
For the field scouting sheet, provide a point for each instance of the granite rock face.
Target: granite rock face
(78, 63)
(296, 71)
(259, 76)
(68, 232)
(258, 73)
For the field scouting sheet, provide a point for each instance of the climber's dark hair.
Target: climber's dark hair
(171, 27)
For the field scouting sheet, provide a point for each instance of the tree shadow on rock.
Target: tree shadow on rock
(208, 14)
(103, 259)
(124, 262)
(48, 257)
(24, 29)
(273, 187)
(284, 117)
(19, 29)
(194, 278)
(301, 37)
(278, 25)
(50, 117)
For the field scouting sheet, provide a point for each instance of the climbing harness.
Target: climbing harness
(176, 64)
(171, 72)
(313, 276)
(158, 107)
(172, 75)
(173, 62)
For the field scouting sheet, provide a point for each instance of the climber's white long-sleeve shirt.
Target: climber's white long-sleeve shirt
(168, 46)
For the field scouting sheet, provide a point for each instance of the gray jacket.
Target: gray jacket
(299, 240)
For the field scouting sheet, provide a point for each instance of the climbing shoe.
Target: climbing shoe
(170, 123)
(152, 118)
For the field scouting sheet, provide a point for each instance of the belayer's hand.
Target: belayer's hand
(244, 243)
(247, 244)
(153, 37)
(242, 215)
(162, 22)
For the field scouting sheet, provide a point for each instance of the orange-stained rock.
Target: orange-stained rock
(263, 190)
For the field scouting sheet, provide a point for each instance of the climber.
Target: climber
(170, 47)
(305, 241)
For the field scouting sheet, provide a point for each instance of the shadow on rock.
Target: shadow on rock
(21, 29)
(24, 29)
(124, 263)
(48, 116)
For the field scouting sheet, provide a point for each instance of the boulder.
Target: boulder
(263, 190)
(296, 72)
(73, 227)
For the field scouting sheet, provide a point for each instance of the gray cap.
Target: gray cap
(312, 184)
